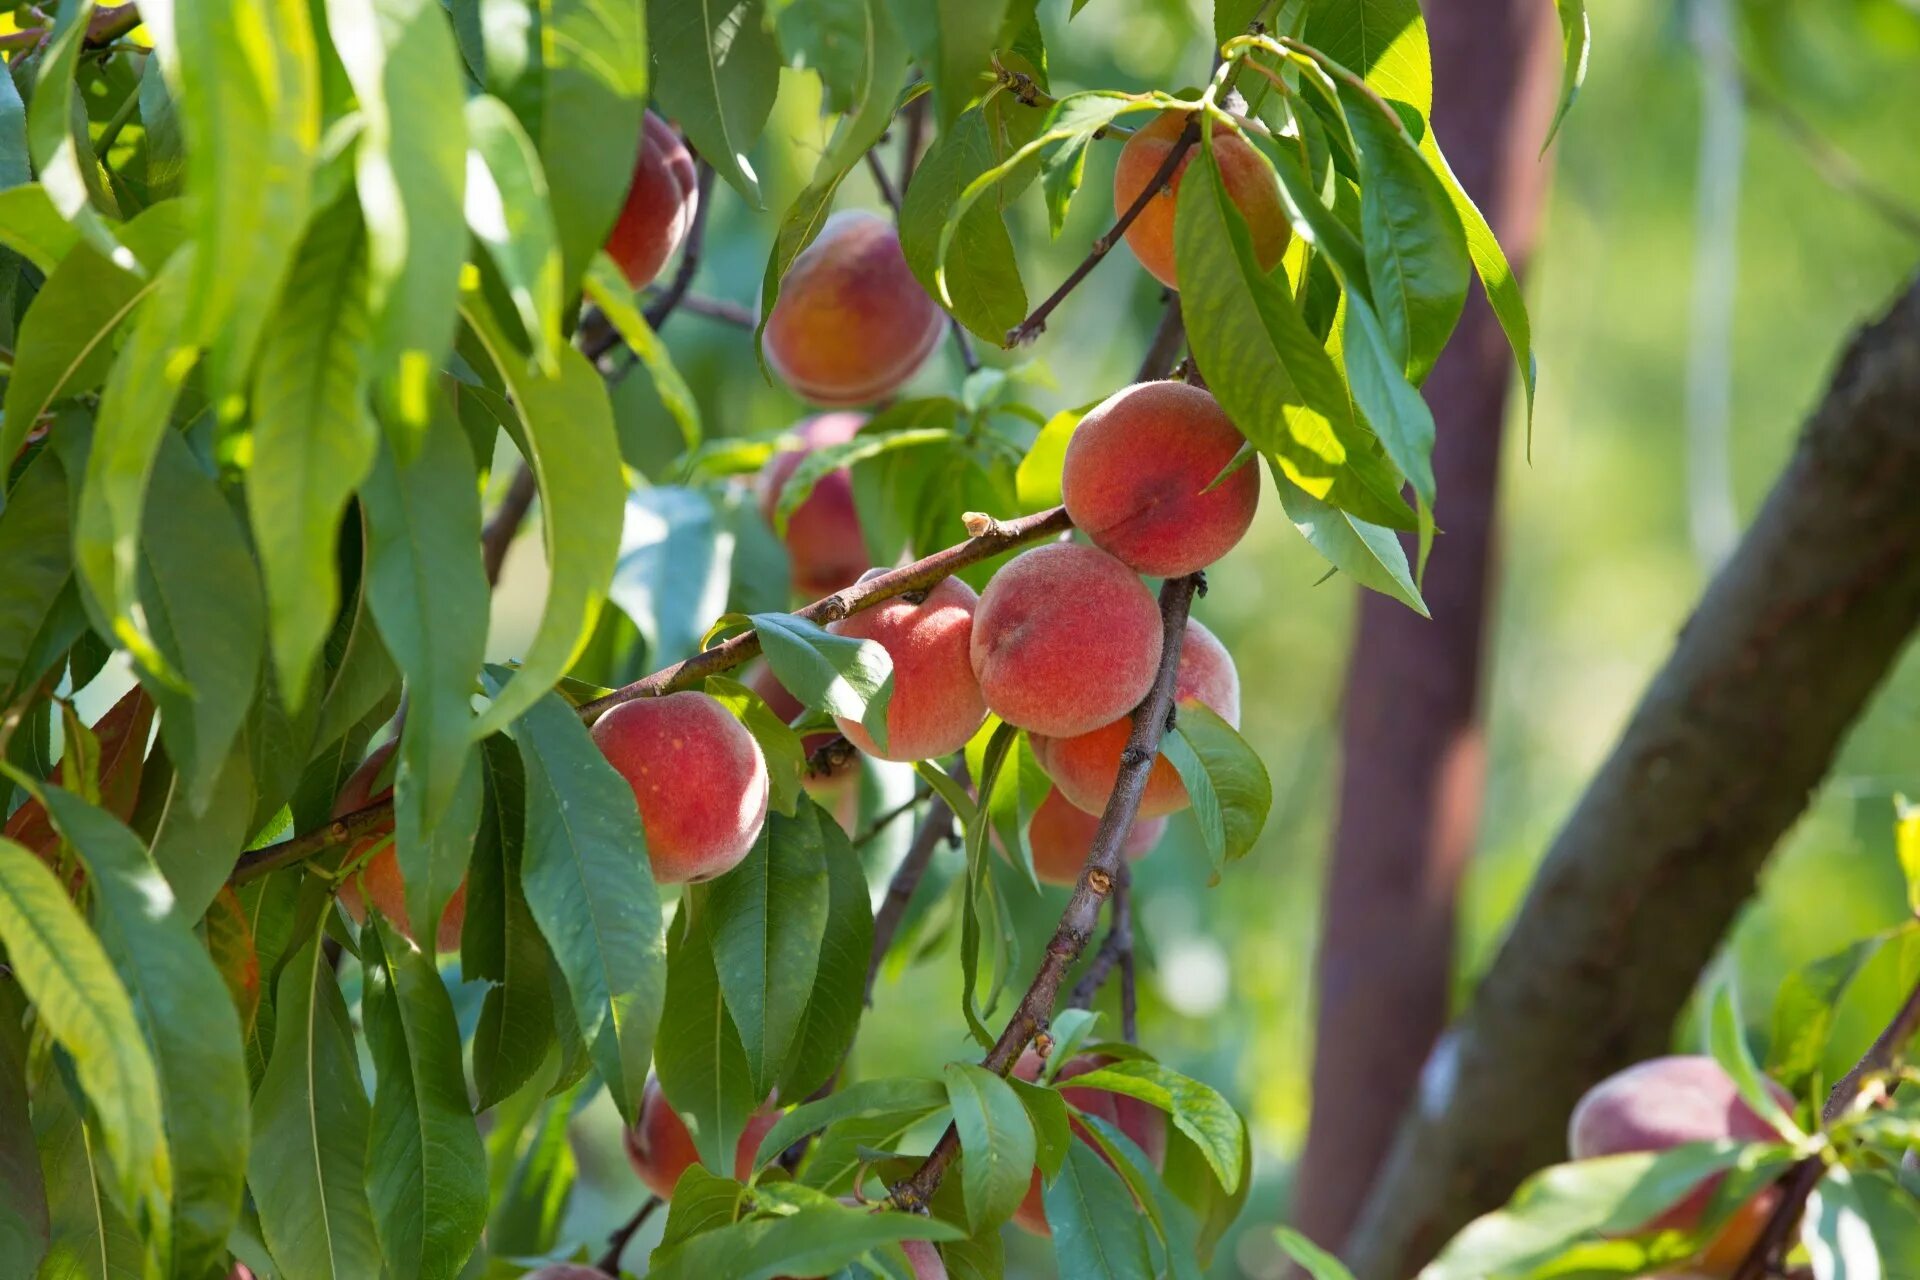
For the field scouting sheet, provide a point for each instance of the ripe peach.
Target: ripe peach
(698, 778)
(660, 1148)
(1065, 639)
(1145, 1125)
(936, 705)
(824, 545)
(1084, 767)
(1062, 836)
(1136, 475)
(379, 875)
(566, 1271)
(1250, 185)
(660, 205)
(851, 324)
(1665, 1102)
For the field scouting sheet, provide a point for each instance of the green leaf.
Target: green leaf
(675, 567)
(841, 675)
(953, 41)
(837, 1000)
(68, 171)
(768, 918)
(196, 851)
(1234, 792)
(818, 1240)
(1383, 40)
(1051, 1129)
(1575, 37)
(889, 1098)
(703, 1068)
(1806, 1007)
(1265, 366)
(1314, 1260)
(308, 1172)
(410, 164)
(83, 1008)
(1727, 1041)
(1370, 555)
(90, 1235)
(591, 890)
(188, 1021)
(245, 78)
(507, 209)
(987, 297)
(1838, 1236)
(1906, 839)
(1398, 415)
(1097, 1233)
(786, 757)
(427, 1175)
(1196, 1109)
(873, 441)
(997, 1144)
(33, 546)
(611, 293)
(313, 440)
(32, 227)
(566, 433)
(427, 591)
(716, 69)
(24, 1221)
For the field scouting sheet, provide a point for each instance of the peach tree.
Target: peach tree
(316, 937)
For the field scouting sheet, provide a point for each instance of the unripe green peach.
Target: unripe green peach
(660, 207)
(1250, 184)
(660, 1148)
(1065, 639)
(1145, 1125)
(936, 705)
(697, 776)
(851, 324)
(1136, 476)
(825, 548)
(379, 876)
(1085, 767)
(1061, 836)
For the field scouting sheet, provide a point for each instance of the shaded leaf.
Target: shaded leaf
(1097, 1234)
(887, 1098)
(1369, 554)
(507, 209)
(997, 1143)
(1196, 1109)
(837, 1000)
(34, 548)
(839, 674)
(715, 72)
(704, 1071)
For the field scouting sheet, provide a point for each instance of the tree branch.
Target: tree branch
(1036, 322)
(663, 306)
(505, 522)
(106, 25)
(936, 826)
(1168, 337)
(1721, 756)
(1151, 719)
(1116, 951)
(623, 1235)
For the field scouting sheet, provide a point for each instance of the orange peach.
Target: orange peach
(697, 776)
(1084, 767)
(1065, 639)
(851, 324)
(1061, 836)
(660, 205)
(1136, 477)
(1145, 1125)
(379, 876)
(1250, 184)
(936, 705)
(825, 547)
(661, 1149)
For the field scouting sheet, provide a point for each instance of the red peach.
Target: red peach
(851, 324)
(697, 776)
(936, 705)
(660, 206)
(1065, 639)
(661, 1149)
(1251, 186)
(824, 544)
(1085, 767)
(1062, 835)
(1146, 1125)
(379, 875)
(1136, 474)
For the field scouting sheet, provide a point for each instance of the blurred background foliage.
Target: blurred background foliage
(1597, 569)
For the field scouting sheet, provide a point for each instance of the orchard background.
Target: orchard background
(285, 278)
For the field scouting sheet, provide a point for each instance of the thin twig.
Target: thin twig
(1115, 951)
(505, 522)
(912, 136)
(1036, 322)
(663, 306)
(731, 313)
(883, 183)
(884, 820)
(609, 1263)
(1881, 1056)
(989, 538)
(1151, 719)
(1168, 336)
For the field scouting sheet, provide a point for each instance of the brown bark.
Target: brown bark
(1409, 805)
(1721, 756)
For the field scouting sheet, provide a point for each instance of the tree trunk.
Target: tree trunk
(1414, 758)
(1718, 760)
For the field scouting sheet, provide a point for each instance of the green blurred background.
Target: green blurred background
(1597, 571)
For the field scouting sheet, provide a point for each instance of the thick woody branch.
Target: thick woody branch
(1151, 719)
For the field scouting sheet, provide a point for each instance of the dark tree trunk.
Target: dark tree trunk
(1413, 752)
(1721, 756)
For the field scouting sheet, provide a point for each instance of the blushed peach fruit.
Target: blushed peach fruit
(1663, 1103)
(1250, 183)
(661, 1149)
(1136, 474)
(839, 791)
(825, 548)
(936, 705)
(851, 324)
(379, 876)
(566, 1271)
(1061, 836)
(660, 206)
(1065, 639)
(697, 776)
(1144, 1124)
(1085, 767)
